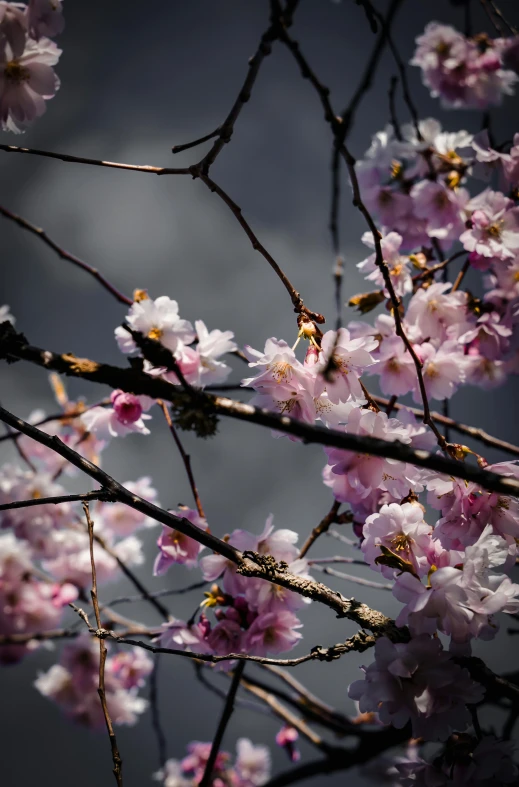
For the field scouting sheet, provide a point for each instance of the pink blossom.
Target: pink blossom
(439, 605)
(175, 547)
(350, 358)
(124, 417)
(455, 68)
(492, 336)
(131, 667)
(495, 226)
(441, 207)
(35, 525)
(27, 604)
(398, 265)
(225, 637)
(203, 366)
(272, 632)
(177, 634)
(155, 319)
(395, 367)
(45, 18)
(252, 763)
(72, 684)
(354, 476)
(433, 310)
(71, 558)
(13, 26)
(443, 369)
(417, 682)
(280, 373)
(400, 528)
(27, 80)
(286, 738)
(268, 597)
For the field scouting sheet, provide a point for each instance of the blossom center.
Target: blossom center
(155, 333)
(16, 73)
(281, 370)
(401, 542)
(494, 230)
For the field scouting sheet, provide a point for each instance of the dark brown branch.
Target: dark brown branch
(222, 726)
(375, 621)
(470, 431)
(134, 381)
(97, 162)
(43, 501)
(116, 757)
(26, 225)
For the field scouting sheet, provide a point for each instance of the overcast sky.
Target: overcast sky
(138, 78)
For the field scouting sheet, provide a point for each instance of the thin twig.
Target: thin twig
(134, 579)
(461, 275)
(224, 720)
(102, 494)
(185, 458)
(97, 162)
(370, 583)
(116, 757)
(195, 142)
(225, 131)
(321, 528)
(158, 594)
(26, 225)
(297, 301)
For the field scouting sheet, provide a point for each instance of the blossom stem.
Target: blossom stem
(185, 458)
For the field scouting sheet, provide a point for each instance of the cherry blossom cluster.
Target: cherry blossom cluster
(446, 545)
(27, 57)
(196, 351)
(466, 72)
(73, 683)
(251, 767)
(252, 616)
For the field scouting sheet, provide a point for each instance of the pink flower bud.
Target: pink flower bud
(127, 407)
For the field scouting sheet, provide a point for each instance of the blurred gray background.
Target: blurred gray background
(138, 78)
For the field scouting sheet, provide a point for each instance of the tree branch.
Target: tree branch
(26, 225)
